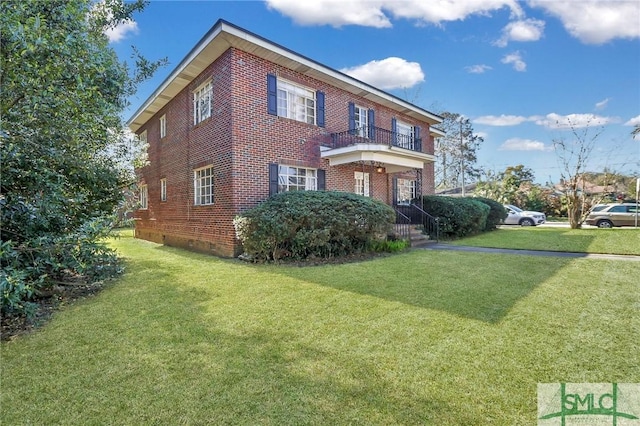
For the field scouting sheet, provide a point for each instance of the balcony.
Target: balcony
(394, 151)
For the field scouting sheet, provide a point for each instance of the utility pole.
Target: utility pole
(462, 156)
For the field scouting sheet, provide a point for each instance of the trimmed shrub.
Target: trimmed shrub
(497, 213)
(459, 217)
(304, 224)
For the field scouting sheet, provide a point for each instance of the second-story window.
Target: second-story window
(287, 99)
(163, 126)
(202, 102)
(361, 122)
(405, 135)
(296, 102)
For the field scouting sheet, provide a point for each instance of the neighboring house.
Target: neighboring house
(591, 189)
(242, 118)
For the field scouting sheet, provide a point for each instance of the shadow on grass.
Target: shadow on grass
(185, 358)
(479, 286)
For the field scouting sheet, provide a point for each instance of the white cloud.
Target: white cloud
(596, 21)
(121, 31)
(477, 69)
(525, 30)
(389, 73)
(518, 144)
(333, 12)
(577, 121)
(602, 104)
(376, 13)
(635, 121)
(502, 120)
(516, 59)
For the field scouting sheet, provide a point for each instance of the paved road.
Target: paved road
(440, 246)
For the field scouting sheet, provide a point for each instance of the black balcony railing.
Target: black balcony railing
(377, 135)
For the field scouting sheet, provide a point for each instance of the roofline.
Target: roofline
(221, 26)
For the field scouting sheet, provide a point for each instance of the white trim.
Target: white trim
(224, 35)
(163, 126)
(163, 189)
(198, 196)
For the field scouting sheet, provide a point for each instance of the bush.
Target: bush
(304, 224)
(37, 264)
(497, 213)
(459, 217)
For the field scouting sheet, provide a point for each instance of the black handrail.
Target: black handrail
(377, 135)
(430, 224)
(403, 226)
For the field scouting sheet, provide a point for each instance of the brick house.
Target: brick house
(241, 118)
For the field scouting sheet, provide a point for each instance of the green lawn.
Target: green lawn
(588, 240)
(424, 337)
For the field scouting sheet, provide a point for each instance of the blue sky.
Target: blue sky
(519, 70)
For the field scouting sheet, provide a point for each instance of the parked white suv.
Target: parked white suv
(517, 216)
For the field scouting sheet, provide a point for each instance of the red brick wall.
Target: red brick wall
(240, 139)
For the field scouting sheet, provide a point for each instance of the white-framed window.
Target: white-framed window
(362, 184)
(296, 102)
(163, 189)
(297, 179)
(406, 191)
(202, 102)
(203, 186)
(405, 135)
(144, 197)
(361, 120)
(163, 126)
(143, 137)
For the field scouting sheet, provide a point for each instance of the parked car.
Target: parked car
(517, 216)
(613, 215)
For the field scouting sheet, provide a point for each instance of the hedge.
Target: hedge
(303, 224)
(497, 212)
(459, 217)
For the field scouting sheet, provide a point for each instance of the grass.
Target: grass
(424, 337)
(589, 240)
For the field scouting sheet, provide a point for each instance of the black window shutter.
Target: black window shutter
(416, 135)
(322, 180)
(352, 117)
(372, 125)
(272, 94)
(394, 192)
(273, 179)
(320, 108)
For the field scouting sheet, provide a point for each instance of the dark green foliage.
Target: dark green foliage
(388, 246)
(304, 224)
(39, 263)
(63, 90)
(497, 213)
(459, 217)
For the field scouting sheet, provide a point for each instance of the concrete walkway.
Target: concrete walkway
(440, 246)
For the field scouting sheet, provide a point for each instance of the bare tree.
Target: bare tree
(573, 157)
(456, 153)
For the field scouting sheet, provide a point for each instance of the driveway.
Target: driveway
(440, 246)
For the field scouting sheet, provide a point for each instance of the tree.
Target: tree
(573, 156)
(63, 90)
(456, 153)
(507, 186)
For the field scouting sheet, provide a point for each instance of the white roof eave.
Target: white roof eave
(224, 35)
